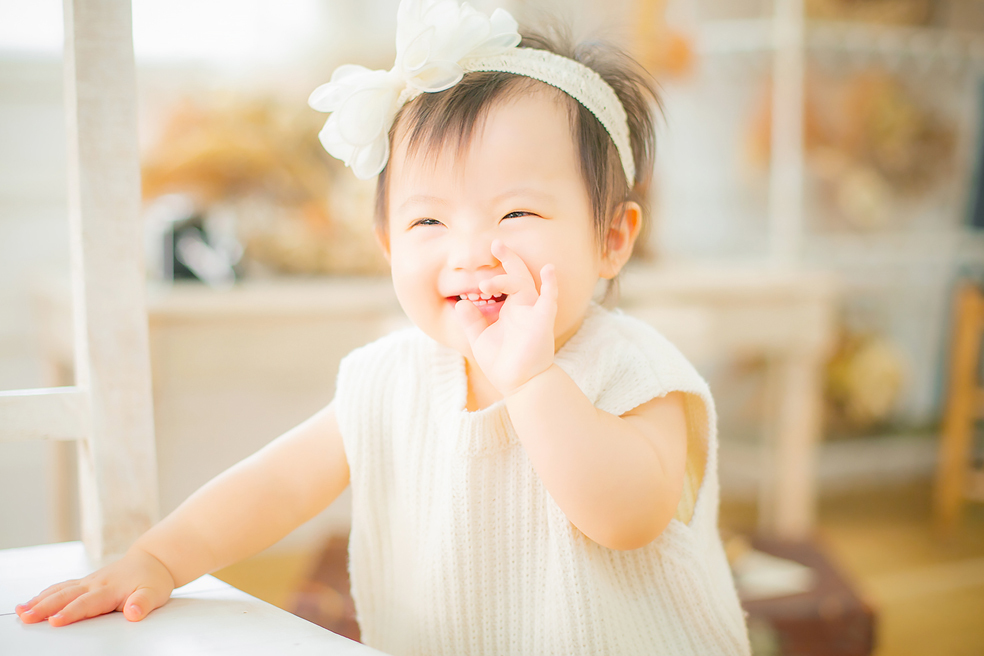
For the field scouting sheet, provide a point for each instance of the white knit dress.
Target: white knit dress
(456, 546)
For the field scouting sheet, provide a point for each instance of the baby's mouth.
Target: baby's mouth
(480, 300)
(487, 304)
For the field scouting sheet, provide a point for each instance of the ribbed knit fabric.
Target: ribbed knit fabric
(456, 546)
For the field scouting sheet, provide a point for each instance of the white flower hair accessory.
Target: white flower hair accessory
(437, 42)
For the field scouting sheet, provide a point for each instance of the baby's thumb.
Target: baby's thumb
(141, 602)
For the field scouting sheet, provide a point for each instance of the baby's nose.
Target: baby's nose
(472, 252)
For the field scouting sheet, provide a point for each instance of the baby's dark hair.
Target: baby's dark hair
(435, 120)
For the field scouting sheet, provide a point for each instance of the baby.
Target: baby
(531, 473)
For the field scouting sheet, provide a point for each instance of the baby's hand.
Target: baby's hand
(136, 584)
(520, 344)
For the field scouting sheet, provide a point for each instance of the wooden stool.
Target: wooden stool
(956, 478)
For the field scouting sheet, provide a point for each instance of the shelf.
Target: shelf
(894, 249)
(948, 47)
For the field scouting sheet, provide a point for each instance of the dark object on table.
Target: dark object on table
(187, 244)
(324, 596)
(828, 620)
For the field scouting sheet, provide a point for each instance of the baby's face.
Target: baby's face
(518, 181)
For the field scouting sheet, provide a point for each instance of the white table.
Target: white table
(206, 616)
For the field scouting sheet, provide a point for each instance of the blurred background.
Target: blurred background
(817, 207)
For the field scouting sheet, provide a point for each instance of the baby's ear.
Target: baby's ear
(382, 238)
(621, 238)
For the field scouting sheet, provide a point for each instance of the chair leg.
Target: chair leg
(962, 406)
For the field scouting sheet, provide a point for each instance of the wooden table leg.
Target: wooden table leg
(787, 506)
(963, 406)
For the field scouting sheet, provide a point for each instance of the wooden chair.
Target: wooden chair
(956, 478)
(108, 413)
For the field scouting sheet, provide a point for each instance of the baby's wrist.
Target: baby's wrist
(156, 562)
(530, 384)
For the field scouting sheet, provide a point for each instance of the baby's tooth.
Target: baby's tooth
(486, 297)
(473, 297)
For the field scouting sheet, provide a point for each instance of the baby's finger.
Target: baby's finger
(548, 286)
(472, 320)
(52, 604)
(546, 305)
(141, 602)
(515, 266)
(51, 589)
(86, 605)
(501, 284)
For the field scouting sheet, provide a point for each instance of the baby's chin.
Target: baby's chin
(449, 334)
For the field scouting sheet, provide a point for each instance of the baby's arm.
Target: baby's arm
(618, 479)
(240, 512)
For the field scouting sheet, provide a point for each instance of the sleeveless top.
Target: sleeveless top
(457, 547)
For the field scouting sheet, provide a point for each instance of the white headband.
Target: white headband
(437, 42)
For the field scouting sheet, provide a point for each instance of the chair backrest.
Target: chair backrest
(109, 411)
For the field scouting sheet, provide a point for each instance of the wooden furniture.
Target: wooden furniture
(206, 616)
(956, 478)
(108, 411)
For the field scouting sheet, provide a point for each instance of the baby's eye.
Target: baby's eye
(518, 213)
(428, 222)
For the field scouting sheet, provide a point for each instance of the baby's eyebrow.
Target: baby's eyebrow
(521, 191)
(422, 199)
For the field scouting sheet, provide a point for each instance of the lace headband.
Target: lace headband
(437, 42)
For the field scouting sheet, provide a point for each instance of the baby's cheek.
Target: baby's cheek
(408, 294)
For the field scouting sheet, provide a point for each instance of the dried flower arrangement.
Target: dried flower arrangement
(261, 161)
(865, 379)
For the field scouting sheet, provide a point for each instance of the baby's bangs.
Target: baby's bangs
(433, 122)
